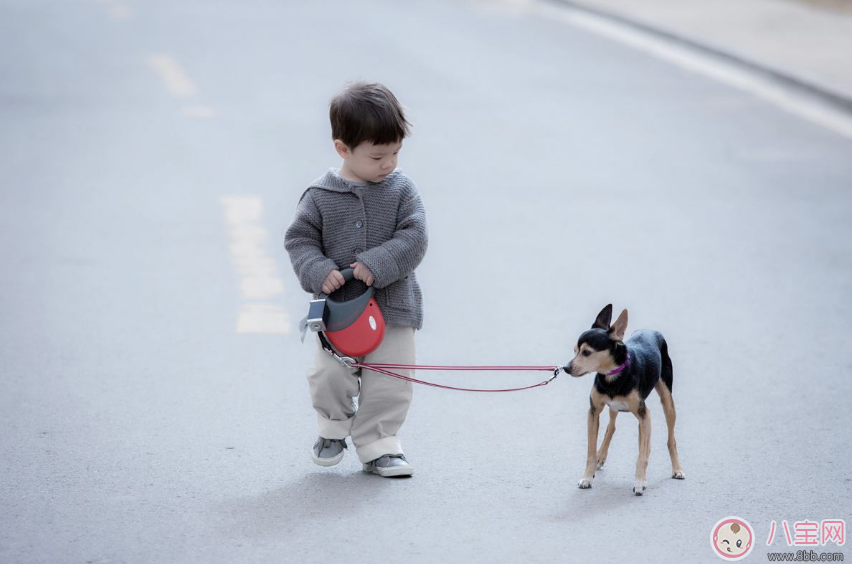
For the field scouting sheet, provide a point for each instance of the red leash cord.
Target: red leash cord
(388, 370)
(385, 369)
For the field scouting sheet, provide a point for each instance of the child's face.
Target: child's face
(369, 162)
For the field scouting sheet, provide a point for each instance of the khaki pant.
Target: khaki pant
(382, 400)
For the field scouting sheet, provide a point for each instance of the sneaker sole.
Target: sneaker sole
(389, 472)
(327, 461)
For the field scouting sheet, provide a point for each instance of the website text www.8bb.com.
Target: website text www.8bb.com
(805, 556)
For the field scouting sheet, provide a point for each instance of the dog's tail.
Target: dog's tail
(667, 372)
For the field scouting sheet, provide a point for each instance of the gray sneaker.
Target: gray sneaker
(389, 465)
(328, 452)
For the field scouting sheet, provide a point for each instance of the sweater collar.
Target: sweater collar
(332, 181)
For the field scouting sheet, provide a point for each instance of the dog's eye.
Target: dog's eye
(587, 353)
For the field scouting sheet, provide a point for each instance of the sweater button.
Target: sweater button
(358, 224)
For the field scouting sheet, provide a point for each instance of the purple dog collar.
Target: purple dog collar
(620, 368)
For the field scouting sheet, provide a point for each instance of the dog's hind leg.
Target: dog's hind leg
(610, 431)
(671, 416)
(644, 417)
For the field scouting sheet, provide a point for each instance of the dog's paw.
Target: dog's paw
(679, 476)
(601, 462)
(585, 483)
(639, 487)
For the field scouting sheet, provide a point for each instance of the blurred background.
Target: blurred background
(690, 161)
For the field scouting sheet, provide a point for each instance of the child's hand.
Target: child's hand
(332, 282)
(363, 273)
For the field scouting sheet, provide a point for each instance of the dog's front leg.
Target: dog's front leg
(595, 408)
(610, 431)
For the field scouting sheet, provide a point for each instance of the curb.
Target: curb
(825, 94)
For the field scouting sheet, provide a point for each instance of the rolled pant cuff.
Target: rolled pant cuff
(329, 429)
(388, 445)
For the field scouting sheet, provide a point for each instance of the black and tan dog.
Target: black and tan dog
(627, 372)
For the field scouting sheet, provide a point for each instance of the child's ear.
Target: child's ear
(342, 149)
(617, 330)
(604, 317)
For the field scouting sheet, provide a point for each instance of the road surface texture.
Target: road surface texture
(153, 401)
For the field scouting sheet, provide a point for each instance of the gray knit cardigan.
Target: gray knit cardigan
(383, 225)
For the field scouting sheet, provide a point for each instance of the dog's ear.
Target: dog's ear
(617, 331)
(604, 317)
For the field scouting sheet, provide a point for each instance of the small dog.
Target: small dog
(626, 374)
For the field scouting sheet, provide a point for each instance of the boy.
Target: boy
(368, 216)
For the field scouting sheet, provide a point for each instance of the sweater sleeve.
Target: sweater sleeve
(303, 241)
(397, 258)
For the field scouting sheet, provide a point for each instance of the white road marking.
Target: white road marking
(693, 61)
(121, 11)
(173, 76)
(118, 10)
(259, 278)
(198, 111)
(264, 319)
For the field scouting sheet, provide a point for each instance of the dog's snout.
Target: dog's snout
(569, 369)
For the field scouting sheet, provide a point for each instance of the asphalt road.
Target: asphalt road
(561, 171)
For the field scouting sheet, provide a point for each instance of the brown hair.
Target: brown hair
(735, 527)
(367, 111)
